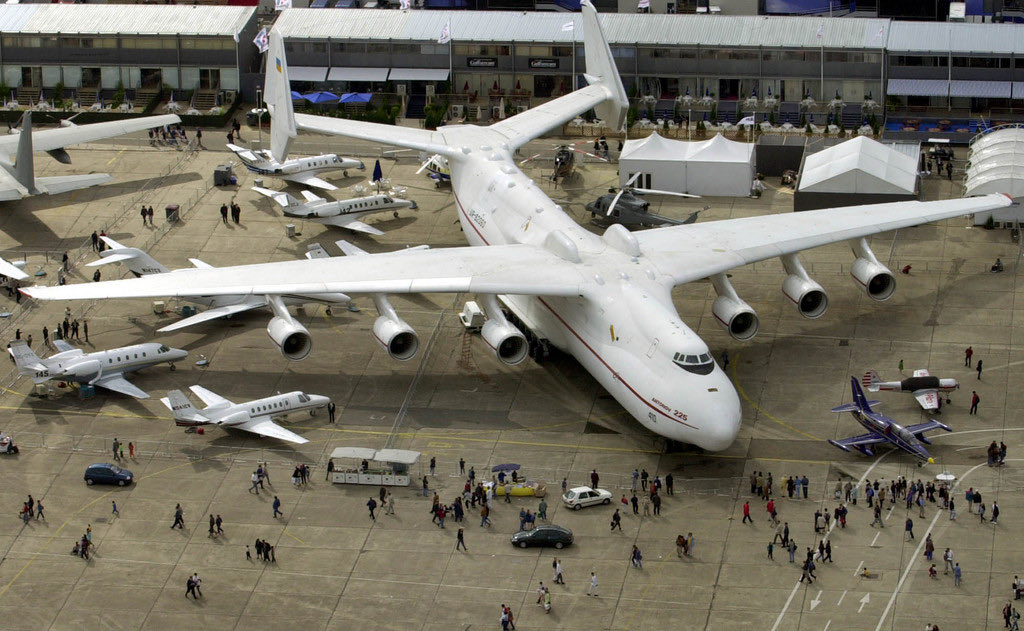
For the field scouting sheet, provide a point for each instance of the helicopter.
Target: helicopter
(628, 208)
(438, 170)
(565, 160)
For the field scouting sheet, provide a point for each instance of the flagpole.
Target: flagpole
(572, 88)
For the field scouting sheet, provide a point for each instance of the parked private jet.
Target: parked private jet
(343, 213)
(605, 299)
(105, 369)
(256, 416)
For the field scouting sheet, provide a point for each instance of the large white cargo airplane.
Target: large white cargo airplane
(256, 416)
(17, 178)
(605, 299)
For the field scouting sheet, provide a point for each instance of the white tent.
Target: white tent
(859, 166)
(996, 165)
(718, 166)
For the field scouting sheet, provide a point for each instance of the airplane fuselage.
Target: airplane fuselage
(891, 431)
(276, 406)
(267, 165)
(356, 207)
(626, 332)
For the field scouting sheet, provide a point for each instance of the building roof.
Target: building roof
(121, 19)
(620, 28)
(955, 37)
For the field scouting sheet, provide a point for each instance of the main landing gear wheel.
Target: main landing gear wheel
(396, 214)
(173, 367)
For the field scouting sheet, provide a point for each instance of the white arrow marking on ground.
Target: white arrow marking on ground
(841, 598)
(816, 601)
(864, 601)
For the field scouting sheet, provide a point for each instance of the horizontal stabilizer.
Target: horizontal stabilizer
(115, 257)
(311, 196)
(848, 407)
(210, 314)
(57, 184)
(284, 200)
(244, 153)
(10, 269)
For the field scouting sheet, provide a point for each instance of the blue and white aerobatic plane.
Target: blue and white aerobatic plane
(882, 429)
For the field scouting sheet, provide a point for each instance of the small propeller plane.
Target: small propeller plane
(105, 369)
(256, 416)
(925, 387)
(882, 429)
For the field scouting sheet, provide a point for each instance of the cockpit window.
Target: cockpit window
(388, 200)
(303, 398)
(697, 364)
(163, 349)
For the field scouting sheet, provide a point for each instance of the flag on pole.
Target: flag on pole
(568, 26)
(446, 33)
(405, 5)
(262, 40)
(643, 4)
(280, 5)
(820, 31)
(746, 120)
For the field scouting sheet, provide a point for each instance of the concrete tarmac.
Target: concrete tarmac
(337, 569)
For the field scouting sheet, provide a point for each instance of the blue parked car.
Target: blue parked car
(106, 473)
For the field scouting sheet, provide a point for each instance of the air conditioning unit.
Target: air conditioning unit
(400, 88)
(229, 96)
(521, 108)
(458, 111)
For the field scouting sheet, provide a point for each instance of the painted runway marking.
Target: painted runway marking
(841, 598)
(874, 540)
(864, 601)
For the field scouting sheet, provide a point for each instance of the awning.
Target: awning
(360, 453)
(918, 87)
(344, 4)
(418, 74)
(402, 456)
(357, 74)
(306, 73)
(980, 89)
(318, 4)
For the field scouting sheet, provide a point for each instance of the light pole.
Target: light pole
(259, 116)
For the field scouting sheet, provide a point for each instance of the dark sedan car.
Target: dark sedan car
(547, 535)
(106, 473)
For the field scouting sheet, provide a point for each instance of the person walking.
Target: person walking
(592, 589)
(213, 524)
(460, 540)
(149, 214)
(635, 503)
(979, 370)
(255, 479)
(995, 513)
(558, 571)
(792, 550)
(947, 561)
(131, 450)
(389, 509)
(114, 511)
(248, 553)
(39, 510)
(330, 411)
(975, 400)
(967, 356)
(637, 558)
(616, 520)
(669, 481)
(197, 582)
(771, 548)
(116, 444)
(179, 518)
(144, 215)
(190, 588)
(957, 572)
(277, 508)
(746, 513)
(910, 528)
(219, 523)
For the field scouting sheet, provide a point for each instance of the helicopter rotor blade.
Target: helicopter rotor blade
(631, 180)
(652, 191)
(534, 156)
(425, 164)
(587, 153)
(611, 206)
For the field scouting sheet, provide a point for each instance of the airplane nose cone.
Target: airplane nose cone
(721, 423)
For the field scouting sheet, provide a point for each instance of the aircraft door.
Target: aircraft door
(654, 347)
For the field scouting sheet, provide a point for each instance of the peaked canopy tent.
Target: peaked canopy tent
(716, 167)
(858, 171)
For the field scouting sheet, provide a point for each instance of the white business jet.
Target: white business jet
(105, 369)
(342, 213)
(256, 416)
(605, 299)
(295, 344)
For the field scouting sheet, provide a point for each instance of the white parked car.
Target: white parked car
(582, 496)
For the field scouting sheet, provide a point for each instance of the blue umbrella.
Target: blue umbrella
(356, 97)
(510, 466)
(320, 97)
(378, 174)
(296, 96)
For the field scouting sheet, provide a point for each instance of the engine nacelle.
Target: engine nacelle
(876, 279)
(808, 296)
(397, 338)
(508, 343)
(737, 317)
(291, 337)
(84, 369)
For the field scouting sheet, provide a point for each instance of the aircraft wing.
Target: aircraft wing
(10, 269)
(929, 399)
(265, 427)
(49, 139)
(56, 184)
(864, 440)
(929, 425)
(421, 139)
(211, 314)
(309, 179)
(351, 224)
(499, 269)
(537, 121)
(211, 399)
(118, 383)
(717, 246)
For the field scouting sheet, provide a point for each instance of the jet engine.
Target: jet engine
(508, 343)
(397, 337)
(732, 312)
(876, 279)
(84, 369)
(808, 296)
(291, 337)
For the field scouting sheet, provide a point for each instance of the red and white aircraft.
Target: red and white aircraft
(607, 299)
(925, 387)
